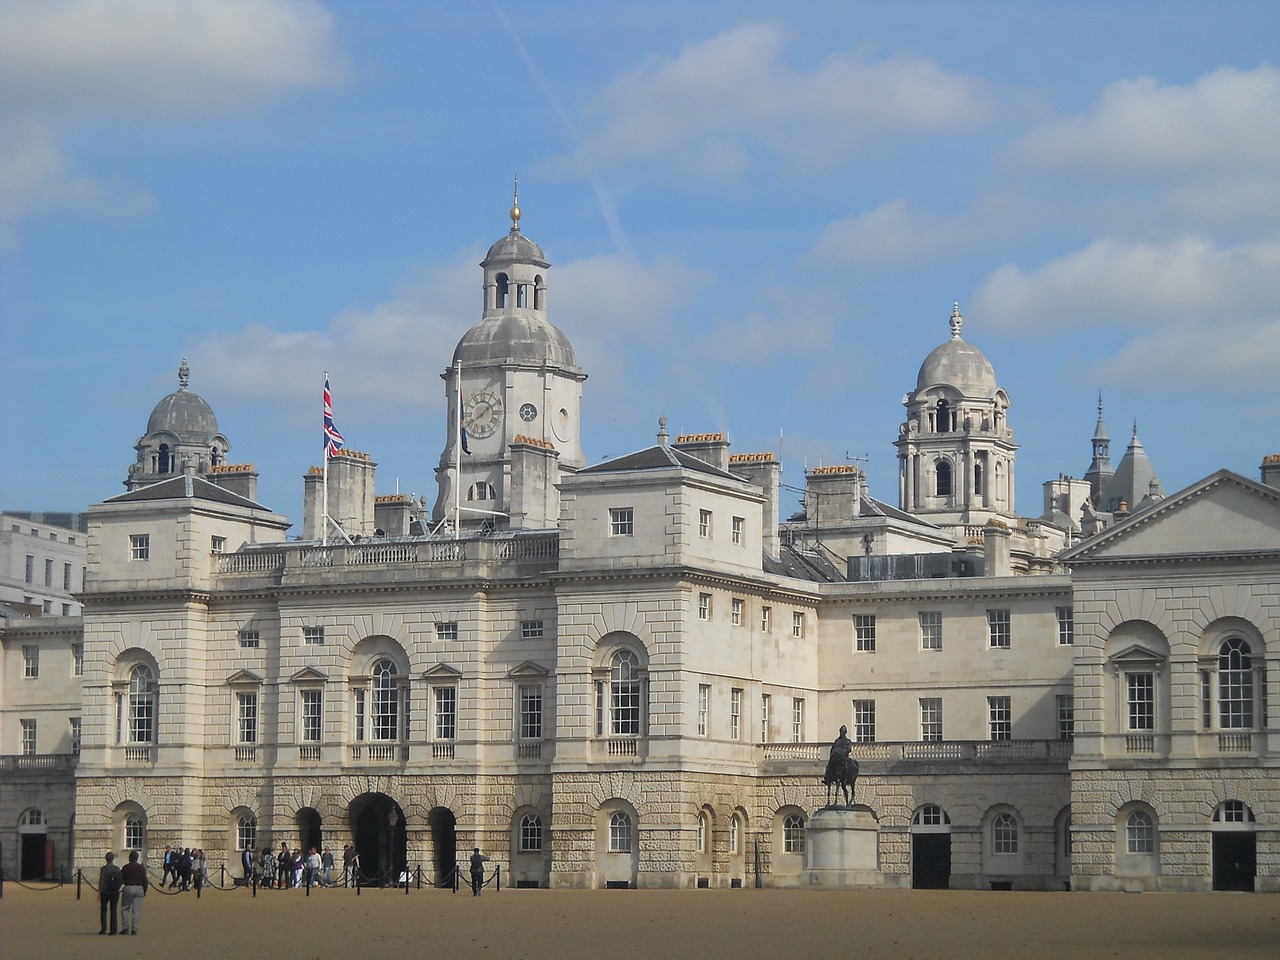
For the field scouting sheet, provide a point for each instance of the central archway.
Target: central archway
(444, 843)
(377, 823)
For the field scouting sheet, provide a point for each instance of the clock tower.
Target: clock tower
(514, 379)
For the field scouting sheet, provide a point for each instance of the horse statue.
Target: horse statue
(842, 769)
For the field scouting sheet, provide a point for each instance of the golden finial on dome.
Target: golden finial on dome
(515, 207)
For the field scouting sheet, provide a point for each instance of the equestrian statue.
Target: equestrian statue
(842, 769)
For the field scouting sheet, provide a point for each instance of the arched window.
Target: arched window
(1235, 685)
(624, 694)
(977, 479)
(141, 728)
(1004, 833)
(500, 293)
(134, 831)
(1233, 811)
(621, 832)
(793, 833)
(522, 295)
(246, 831)
(735, 834)
(386, 701)
(539, 294)
(702, 833)
(943, 474)
(1140, 833)
(31, 818)
(943, 416)
(530, 833)
(481, 490)
(930, 815)
(165, 463)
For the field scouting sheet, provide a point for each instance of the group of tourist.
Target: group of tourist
(293, 868)
(184, 868)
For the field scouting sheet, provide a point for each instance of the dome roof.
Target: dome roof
(515, 338)
(516, 246)
(184, 413)
(959, 364)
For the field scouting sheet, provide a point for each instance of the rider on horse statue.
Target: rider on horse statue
(842, 769)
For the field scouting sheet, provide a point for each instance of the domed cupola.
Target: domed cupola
(955, 449)
(514, 379)
(182, 431)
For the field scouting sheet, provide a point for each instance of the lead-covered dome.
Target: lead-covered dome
(959, 364)
(183, 413)
(516, 246)
(515, 338)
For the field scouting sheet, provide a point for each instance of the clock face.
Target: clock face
(482, 412)
(528, 412)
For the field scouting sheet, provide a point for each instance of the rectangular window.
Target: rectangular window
(766, 619)
(930, 629)
(75, 736)
(28, 737)
(931, 720)
(446, 713)
(864, 632)
(864, 721)
(48, 573)
(797, 624)
(621, 522)
(247, 718)
(999, 718)
(66, 576)
(998, 628)
(531, 712)
(704, 708)
(360, 714)
(797, 720)
(312, 715)
(739, 528)
(1066, 717)
(140, 546)
(313, 635)
(735, 612)
(1142, 700)
(250, 639)
(47, 606)
(766, 701)
(77, 659)
(217, 544)
(31, 569)
(530, 629)
(31, 662)
(447, 630)
(735, 714)
(704, 524)
(704, 606)
(66, 609)
(1066, 626)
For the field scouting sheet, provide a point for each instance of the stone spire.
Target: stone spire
(1100, 470)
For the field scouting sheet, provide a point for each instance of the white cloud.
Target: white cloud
(1122, 286)
(891, 233)
(705, 111)
(64, 63)
(1227, 357)
(1225, 122)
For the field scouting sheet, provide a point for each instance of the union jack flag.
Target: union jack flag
(332, 438)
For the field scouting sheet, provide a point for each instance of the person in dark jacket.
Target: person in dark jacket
(110, 881)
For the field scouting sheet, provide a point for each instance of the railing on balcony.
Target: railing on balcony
(984, 751)
(309, 753)
(1235, 743)
(1140, 743)
(379, 752)
(442, 750)
(138, 754)
(622, 747)
(391, 552)
(529, 751)
(246, 754)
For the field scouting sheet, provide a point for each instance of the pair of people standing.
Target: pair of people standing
(113, 881)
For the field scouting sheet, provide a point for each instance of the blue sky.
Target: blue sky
(758, 214)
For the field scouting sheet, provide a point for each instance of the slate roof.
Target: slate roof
(185, 488)
(659, 457)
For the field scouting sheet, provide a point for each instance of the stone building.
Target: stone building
(629, 672)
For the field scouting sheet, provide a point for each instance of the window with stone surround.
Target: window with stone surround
(621, 832)
(930, 629)
(1066, 626)
(1140, 700)
(313, 636)
(531, 712)
(31, 662)
(864, 721)
(739, 526)
(999, 634)
(140, 546)
(447, 630)
(999, 718)
(1004, 834)
(793, 833)
(864, 632)
(446, 712)
(735, 612)
(704, 606)
(531, 630)
(247, 718)
(621, 522)
(735, 714)
(530, 833)
(704, 708)
(931, 719)
(1066, 716)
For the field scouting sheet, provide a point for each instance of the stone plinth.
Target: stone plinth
(842, 848)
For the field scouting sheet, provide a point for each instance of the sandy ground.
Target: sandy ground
(622, 924)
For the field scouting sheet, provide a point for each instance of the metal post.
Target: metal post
(79, 877)
(497, 879)
(222, 875)
(356, 871)
(406, 879)
(253, 882)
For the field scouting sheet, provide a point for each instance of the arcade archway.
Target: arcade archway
(377, 823)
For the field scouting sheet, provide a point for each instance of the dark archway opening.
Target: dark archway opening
(444, 843)
(931, 861)
(36, 857)
(310, 830)
(377, 822)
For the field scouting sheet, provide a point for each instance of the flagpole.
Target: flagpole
(324, 511)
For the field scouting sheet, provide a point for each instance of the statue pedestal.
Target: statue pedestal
(842, 848)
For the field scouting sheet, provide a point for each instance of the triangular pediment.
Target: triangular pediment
(1223, 514)
(528, 669)
(442, 671)
(308, 675)
(244, 677)
(1137, 653)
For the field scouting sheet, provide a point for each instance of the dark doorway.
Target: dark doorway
(310, 832)
(381, 841)
(444, 843)
(931, 861)
(1235, 860)
(35, 857)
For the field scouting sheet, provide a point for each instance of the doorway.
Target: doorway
(37, 851)
(444, 843)
(380, 837)
(930, 848)
(1235, 861)
(310, 830)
